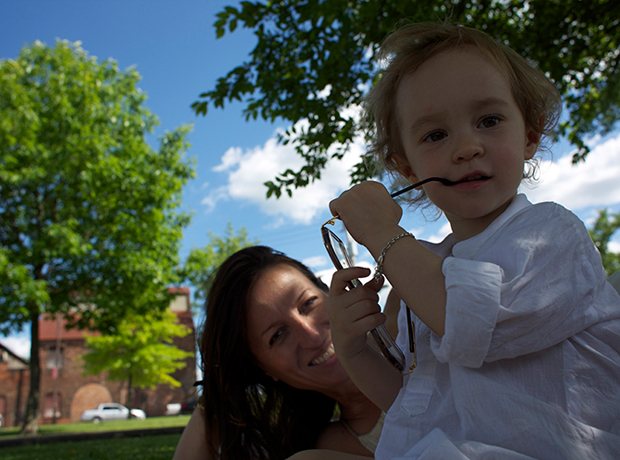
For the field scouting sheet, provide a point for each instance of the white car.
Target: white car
(110, 411)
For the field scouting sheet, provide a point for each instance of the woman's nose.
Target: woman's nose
(309, 334)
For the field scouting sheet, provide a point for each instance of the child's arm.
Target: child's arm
(391, 309)
(371, 216)
(353, 313)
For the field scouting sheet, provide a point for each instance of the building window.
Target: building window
(48, 405)
(52, 356)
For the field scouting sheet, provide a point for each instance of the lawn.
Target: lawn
(156, 447)
(89, 427)
(142, 448)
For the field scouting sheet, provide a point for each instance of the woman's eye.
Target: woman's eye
(276, 336)
(435, 136)
(308, 304)
(489, 122)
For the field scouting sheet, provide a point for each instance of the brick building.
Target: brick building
(14, 385)
(66, 392)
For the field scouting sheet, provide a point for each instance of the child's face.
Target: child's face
(459, 120)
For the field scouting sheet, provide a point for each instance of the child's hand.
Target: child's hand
(367, 210)
(352, 313)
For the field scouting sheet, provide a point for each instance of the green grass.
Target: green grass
(89, 427)
(142, 448)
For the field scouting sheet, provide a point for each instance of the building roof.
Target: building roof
(48, 330)
(49, 327)
(7, 350)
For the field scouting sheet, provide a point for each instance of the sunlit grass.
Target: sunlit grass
(89, 427)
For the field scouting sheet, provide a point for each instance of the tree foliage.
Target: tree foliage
(202, 263)
(88, 219)
(601, 232)
(315, 59)
(139, 351)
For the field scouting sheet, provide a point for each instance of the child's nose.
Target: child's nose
(467, 149)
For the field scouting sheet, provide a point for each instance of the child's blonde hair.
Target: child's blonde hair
(410, 46)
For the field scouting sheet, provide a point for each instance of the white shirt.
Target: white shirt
(529, 365)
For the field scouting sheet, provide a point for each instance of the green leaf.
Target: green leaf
(302, 47)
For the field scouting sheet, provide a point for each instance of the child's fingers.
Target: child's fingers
(366, 209)
(351, 316)
(354, 305)
(342, 278)
(374, 285)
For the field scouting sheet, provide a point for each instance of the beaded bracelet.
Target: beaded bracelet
(379, 268)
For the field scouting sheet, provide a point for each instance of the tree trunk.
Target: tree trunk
(129, 395)
(31, 422)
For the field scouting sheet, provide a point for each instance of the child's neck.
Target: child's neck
(464, 228)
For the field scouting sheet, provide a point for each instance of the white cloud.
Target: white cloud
(20, 345)
(315, 261)
(440, 234)
(211, 200)
(248, 171)
(231, 157)
(593, 183)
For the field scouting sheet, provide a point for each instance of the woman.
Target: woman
(272, 384)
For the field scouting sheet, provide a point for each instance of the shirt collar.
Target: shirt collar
(469, 247)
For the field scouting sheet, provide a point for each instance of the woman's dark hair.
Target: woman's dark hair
(248, 414)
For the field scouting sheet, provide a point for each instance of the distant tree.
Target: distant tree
(201, 264)
(314, 60)
(601, 232)
(88, 220)
(139, 351)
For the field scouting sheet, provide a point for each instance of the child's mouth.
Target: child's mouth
(472, 178)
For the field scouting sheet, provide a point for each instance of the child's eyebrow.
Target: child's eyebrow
(476, 105)
(424, 120)
(491, 100)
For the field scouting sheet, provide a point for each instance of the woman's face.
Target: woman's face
(288, 330)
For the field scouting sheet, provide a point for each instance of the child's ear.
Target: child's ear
(532, 142)
(405, 170)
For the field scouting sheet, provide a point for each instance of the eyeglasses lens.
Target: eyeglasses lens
(340, 251)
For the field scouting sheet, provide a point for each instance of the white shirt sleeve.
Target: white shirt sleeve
(532, 284)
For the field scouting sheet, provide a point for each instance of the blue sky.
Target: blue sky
(173, 46)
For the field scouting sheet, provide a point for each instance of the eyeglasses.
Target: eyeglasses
(338, 254)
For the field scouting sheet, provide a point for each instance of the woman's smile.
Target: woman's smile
(289, 332)
(324, 357)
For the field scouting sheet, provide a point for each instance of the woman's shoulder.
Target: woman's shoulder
(337, 437)
(193, 442)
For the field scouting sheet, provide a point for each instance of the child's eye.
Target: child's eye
(489, 122)
(435, 136)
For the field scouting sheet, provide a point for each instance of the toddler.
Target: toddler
(516, 327)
